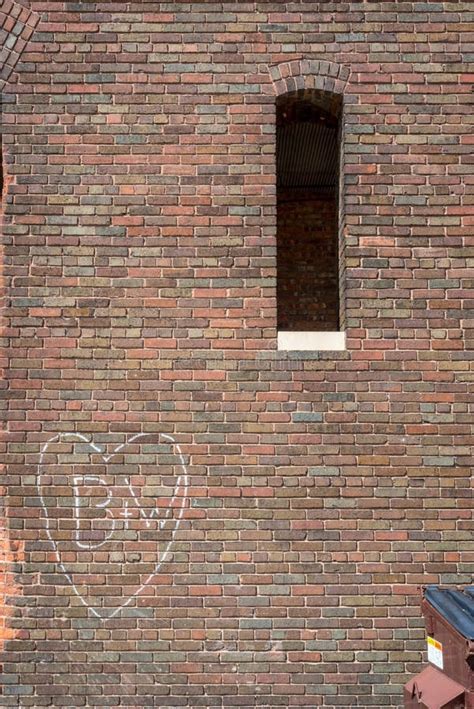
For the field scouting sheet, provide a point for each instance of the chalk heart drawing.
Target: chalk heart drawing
(112, 511)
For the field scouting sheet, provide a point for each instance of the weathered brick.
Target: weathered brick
(140, 273)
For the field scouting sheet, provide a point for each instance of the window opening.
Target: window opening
(307, 151)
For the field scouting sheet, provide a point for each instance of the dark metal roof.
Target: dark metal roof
(307, 155)
(455, 606)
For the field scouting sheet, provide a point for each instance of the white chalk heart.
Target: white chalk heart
(123, 508)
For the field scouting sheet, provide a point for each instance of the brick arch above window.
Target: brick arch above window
(17, 24)
(309, 74)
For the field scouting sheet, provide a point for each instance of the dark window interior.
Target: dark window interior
(308, 124)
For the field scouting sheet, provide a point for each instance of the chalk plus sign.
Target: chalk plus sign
(126, 513)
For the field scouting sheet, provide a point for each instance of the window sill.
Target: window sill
(311, 341)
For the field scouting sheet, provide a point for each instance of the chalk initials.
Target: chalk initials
(88, 481)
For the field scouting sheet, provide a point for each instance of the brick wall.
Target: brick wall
(203, 520)
(307, 260)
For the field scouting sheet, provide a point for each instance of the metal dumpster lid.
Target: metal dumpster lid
(433, 689)
(457, 606)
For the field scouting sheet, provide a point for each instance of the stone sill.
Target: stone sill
(290, 341)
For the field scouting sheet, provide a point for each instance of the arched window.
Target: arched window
(308, 137)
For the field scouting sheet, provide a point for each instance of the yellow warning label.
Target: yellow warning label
(435, 643)
(435, 652)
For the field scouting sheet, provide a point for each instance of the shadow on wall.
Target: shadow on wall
(11, 553)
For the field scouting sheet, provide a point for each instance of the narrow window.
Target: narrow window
(308, 136)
